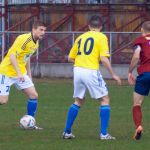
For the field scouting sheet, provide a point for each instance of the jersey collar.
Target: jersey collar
(33, 38)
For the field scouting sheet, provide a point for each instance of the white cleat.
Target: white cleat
(68, 136)
(107, 137)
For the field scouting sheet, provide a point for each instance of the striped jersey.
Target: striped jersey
(23, 48)
(88, 48)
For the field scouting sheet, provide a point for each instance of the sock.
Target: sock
(137, 115)
(104, 117)
(72, 114)
(31, 107)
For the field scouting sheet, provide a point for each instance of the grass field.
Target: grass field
(55, 97)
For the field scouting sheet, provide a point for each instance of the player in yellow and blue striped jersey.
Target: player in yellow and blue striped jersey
(15, 67)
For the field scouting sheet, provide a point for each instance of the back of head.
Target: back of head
(95, 22)
(38, 23)
(146, 26)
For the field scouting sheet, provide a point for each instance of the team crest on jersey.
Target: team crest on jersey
(27, 56)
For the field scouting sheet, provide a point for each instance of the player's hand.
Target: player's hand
(131, 79)
(115, 77)
(21, 78)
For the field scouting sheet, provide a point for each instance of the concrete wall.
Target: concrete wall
(65, 70)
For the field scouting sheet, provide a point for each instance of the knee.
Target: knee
(105, 100)
(137, 99)
(79, 102)
(33, 95)
(135, 103)
(3, 101)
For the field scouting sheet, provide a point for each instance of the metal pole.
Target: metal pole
(3, 28)
(110, 46)
(73, 38)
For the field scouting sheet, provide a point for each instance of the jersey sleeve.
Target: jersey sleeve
(137, 43)
(18, 46)
(103, 47)
(73, 51)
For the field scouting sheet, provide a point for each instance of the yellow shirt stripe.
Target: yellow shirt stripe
(26, 42)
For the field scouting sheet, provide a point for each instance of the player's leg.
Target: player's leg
(28, 88)
(79, 92)
(3, 99)
(98, 90)
(72, 115)
(5, 84)
(104, 114)
(137, 115)
(142, 88)
(32, 100)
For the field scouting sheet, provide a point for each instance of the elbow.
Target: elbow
(12, 56)
(136, 57)
(71, 60)
(103, 59)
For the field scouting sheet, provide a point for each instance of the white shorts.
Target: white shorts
(7, 82)
(91, 80)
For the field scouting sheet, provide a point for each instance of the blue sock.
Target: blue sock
(104, 117)
(72, 114)
(31, 107)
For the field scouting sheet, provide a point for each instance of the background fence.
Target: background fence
(55, 46)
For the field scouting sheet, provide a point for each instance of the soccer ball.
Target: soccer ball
(27, 122)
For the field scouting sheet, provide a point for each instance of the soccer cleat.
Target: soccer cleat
(68, 136)
(138, 133)
(106, 137)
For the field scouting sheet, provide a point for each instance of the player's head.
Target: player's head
(145, 28)
(38, 29)
(95, 23)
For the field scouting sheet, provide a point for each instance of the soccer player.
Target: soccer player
(15, 67)
(88, 50)
(142, 82)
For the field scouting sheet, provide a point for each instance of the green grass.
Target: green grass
(55, 97)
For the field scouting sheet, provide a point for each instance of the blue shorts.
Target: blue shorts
(142, 85)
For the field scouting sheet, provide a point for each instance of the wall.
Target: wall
(65, 70)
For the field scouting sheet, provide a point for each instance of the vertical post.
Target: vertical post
(110, 46)
(73, 38)
(37, 63)
(37, 53)
(3, 28)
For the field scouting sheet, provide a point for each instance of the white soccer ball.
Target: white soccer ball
(27, 122)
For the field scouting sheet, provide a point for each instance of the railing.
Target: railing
(79, 1)
(55, 46)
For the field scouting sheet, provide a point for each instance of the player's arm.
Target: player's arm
(15, 65)
(73, 53)
(71, 60)
(133, 64)
(104, 54)
(14, 52)
(28, 67)
(107, 65)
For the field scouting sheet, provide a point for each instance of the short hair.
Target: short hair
(38, 23)
(95, 22)
(146, 26)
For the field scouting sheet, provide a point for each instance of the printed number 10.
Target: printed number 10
(87, 51)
